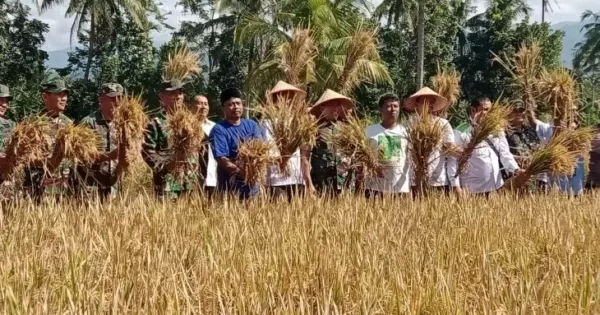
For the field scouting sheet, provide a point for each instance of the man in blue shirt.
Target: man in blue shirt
(224, 140)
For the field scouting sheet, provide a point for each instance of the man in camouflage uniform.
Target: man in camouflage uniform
(523, 140)
(6, 128)
(39, 182)
(329, 171)
(156, 151)
(101, 177)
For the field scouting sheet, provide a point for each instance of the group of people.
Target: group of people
(316, 169)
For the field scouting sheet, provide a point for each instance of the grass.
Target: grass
(437, 256)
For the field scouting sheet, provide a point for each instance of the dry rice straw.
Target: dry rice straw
(181, 64)
(493, 123)
(78, 144)
(130, 122)
(254, 157)
(447, 83)
(351, 142)
(559, 90)
(185, 137)
(31, 142)
(290, 126)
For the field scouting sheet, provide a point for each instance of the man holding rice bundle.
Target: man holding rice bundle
(208, 165)
(225, 139)
(329, 172)
(281, 184)
(62, 181)
(101, 176)
(428, 101)
(6, 129)
(484, 168)
(389, 140)
(156, 150)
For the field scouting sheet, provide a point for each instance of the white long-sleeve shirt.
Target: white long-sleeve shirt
(211, 171)
(438, 175)
(482, 173)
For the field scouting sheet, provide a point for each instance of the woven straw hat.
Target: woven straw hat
(441, 102)
(285, 87)
(329, 96)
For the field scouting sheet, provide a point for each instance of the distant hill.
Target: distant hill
(573, 36)
(59, 58)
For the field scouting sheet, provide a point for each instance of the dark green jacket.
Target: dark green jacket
(102, 175)
(325, 162)
(6, 128)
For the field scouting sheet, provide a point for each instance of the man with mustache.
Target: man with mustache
(38, 180)
(225, 138)
(208, 165)
(156, 151)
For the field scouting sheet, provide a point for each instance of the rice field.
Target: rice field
(535, 255)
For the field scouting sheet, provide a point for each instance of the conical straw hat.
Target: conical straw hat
(410, 103)
(285, 87)
(329, 96)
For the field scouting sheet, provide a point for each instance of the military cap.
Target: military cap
(171, 85)
(53, 83)
(5, 92)
(112, 89)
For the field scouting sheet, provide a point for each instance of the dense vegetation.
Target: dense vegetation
(239, 40)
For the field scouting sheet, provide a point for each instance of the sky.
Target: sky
(58, 37)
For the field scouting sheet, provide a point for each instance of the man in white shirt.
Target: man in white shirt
(483, 173)
(388, 140)
(438, 177)
(208, 165)
(280, 184)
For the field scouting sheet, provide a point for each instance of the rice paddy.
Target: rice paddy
(534, 255)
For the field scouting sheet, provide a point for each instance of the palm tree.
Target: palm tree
(587, 55)
(396, 11)
(546, 7)
(98, 16)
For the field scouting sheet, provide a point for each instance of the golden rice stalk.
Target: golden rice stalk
(351, 142)
(297, 58)
(558, 89)
(181, 64)
(424, 135)
(290, 126)
(130, 121)
(77, 143)
(525, 67)
(31, 142)
(362, 63)
(447, 83)
(558, 157)
(493, 123)
(578, 141)
(254, 157)
(185, 136)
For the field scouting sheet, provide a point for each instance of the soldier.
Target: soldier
(329, 171)
(6, 125)
(101, 176)
(38, 181)
(6, 128)
(156, 151)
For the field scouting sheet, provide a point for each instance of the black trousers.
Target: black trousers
(288, 191)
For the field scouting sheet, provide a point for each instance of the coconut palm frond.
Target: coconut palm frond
(252, 26)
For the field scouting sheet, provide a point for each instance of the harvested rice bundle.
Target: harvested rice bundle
(493, 123)
(130, 121)
(447, 83)
(558, 89)
(525, 67)
(185, 136)
(254, 157)
(30, 143)
(579, 141)
(556, 158)
(182, 64)
(297, 58)
(424, 137)
(350, 140)
(77, 143)
(290, 126)
(362, 63)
